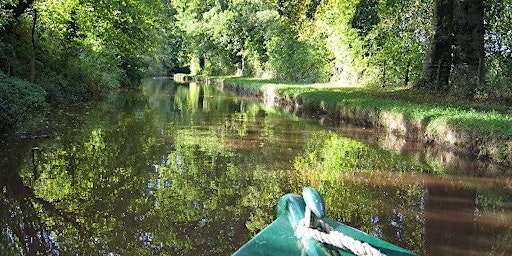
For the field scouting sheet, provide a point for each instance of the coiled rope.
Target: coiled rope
(328, 235)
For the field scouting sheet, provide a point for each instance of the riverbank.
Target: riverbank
(481, 130)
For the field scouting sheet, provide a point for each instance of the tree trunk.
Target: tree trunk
(469, 45)
(222, 5)
(33, 63)
(457, 50)
(407, 71)
(436, 71)
(202, 62)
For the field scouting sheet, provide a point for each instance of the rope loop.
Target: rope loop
(327, 235)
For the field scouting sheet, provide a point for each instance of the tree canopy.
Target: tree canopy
(462, 49)
(77, 48)
(106, 42)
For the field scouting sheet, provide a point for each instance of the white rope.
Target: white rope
(336, 238)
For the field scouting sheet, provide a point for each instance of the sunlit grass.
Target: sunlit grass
(481, 118)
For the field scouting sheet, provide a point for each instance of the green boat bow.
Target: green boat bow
(301, 228)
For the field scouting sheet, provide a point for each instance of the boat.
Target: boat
(301, 228)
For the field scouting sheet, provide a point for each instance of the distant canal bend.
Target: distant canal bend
(190, 170)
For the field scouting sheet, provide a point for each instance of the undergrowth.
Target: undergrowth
(19, 100)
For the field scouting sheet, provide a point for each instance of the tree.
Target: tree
(469, 45)
(498, 48)
(457, 49)
(439, 61)
(11, 10)
(366, 17)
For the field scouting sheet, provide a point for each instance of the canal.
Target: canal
(186, 169)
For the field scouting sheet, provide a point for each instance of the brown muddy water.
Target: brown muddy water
(189, 170)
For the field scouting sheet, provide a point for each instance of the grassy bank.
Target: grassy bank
(482, 129)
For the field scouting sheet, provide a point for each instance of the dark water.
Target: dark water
(189, 170)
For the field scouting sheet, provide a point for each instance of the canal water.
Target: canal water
(186, 169)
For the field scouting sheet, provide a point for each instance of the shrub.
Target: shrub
(19, 100)
(293, 59)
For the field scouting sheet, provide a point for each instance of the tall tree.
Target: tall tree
(439, 61)
(468, 21)
(457, 48)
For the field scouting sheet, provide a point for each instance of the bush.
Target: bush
(19, 100)
(292, 59)
(498, 85)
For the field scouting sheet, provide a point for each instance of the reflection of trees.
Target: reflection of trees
(96, 176)
(105, 187)
(18, 213)
(140, 177)
(385, 195)
(212, 188)
(23, 215)
(363, 187)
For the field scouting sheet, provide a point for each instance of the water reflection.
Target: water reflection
(188, 169)
(383, 194)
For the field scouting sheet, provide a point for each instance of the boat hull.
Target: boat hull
(279, 238)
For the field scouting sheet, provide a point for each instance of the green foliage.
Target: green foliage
(331, 26)
(366, 17)
(355, 42)
(5, 15)
(10, 9)
(389, 45)
(124, 33)
(402, 42)
(105, 43)
(80, 49)
(498, 43)
(19, 100)
(293, 59)
(250, 38)
(358, 42)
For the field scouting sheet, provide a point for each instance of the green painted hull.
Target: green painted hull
(279, 237)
